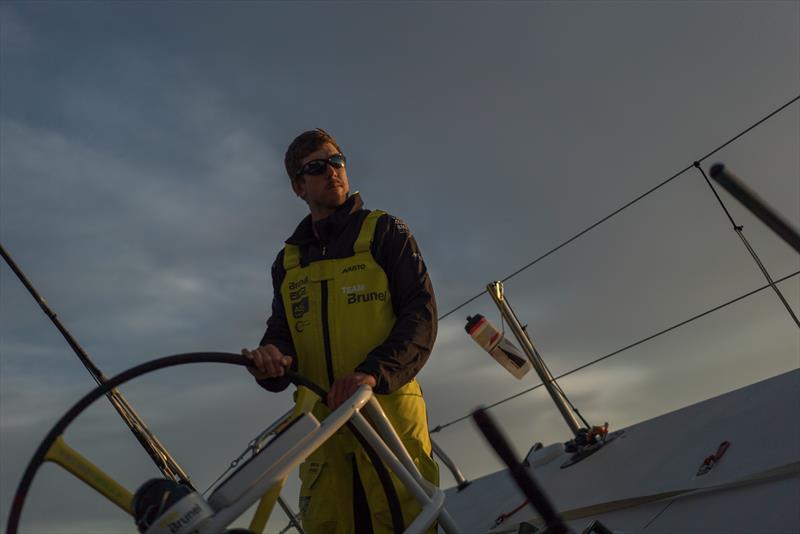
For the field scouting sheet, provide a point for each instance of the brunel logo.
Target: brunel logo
(354, 298)
(186, 521)
(356, 267)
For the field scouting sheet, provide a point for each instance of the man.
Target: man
(352, 305)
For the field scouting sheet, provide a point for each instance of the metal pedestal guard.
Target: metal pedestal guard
(248, 485)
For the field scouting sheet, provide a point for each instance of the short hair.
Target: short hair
(303, 145)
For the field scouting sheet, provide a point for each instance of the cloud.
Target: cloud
(142, 236)
(15, 32)
(35, 402)
(143, 194)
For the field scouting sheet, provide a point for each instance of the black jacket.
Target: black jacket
(400, 357)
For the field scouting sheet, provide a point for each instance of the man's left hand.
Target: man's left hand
(346, 385)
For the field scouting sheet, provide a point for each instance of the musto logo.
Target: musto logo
(354, 298)
(356, 267)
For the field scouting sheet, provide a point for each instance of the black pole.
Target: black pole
(759, 208)
(163, 460)
(82, 356)
(521, 475)
(756, 205)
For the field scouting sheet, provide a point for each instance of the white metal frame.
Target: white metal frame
(387, 445)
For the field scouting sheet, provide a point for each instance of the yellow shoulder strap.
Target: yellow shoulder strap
(367, 232)
(291, 256)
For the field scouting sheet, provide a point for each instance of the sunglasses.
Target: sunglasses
(318, 166)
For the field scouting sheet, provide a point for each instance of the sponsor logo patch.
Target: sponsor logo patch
(354, 298)
(353, 268)
(300, 308)
(353, 289)
(294, 295)
(400, 226)
(185, 523)
(298, 284)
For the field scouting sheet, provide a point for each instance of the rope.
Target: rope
(627, 205)
(502, 517)
(600, 359)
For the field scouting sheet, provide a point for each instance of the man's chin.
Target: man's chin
(339, 196)
(336, 201)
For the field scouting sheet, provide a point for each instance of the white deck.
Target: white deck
(645, 480)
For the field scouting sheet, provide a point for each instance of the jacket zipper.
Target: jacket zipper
(326, 335)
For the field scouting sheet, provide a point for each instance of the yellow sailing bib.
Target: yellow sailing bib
(338, 311)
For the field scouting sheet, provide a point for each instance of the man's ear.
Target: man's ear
(299, 187)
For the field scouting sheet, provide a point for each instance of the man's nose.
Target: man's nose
(332, 171)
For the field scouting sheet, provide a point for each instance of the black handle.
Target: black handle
(755, 204)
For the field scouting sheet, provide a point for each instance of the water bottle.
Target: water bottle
(494, 342)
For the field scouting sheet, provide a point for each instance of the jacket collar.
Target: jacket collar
(329, 226)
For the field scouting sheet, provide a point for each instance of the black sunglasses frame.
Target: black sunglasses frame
(313, 167)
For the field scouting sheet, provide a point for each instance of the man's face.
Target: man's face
(324, 192)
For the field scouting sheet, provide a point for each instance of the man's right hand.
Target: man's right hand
(268, 362)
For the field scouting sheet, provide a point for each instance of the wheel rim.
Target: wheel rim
(58, 429)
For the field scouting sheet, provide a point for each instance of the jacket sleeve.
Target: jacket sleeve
(401, 356)
(278, 332)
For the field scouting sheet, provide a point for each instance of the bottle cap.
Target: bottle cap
(472, 322)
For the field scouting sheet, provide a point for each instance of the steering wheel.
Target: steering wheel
(154, 365)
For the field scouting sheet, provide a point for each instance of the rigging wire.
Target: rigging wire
(630, 346)
(627, 205)
(739, 229)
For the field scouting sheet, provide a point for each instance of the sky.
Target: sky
(142, 191)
